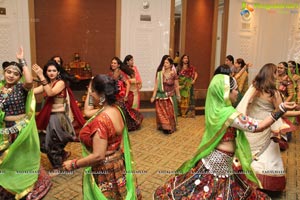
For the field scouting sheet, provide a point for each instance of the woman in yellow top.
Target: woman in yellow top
(241, 76)
(242, 79)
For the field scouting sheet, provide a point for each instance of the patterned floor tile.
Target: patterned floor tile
(157, 156)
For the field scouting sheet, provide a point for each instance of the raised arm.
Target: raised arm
(89, 107)
(50, 91)
(26, 72)
(239, 74)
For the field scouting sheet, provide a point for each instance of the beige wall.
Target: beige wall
(266, 35)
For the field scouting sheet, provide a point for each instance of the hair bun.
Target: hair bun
(5, 64)
(111, 87)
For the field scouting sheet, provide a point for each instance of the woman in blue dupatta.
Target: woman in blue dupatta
(106, 150)
(209, 174)
(20, 173)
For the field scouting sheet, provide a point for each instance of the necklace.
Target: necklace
(5, 92)
(185, 66)
(167, 74)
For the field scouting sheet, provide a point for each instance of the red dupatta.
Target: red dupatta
(43, 117)
(78, 117)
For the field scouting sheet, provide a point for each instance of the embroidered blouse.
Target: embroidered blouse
(188, 73)
(169, 83)
(103, 126)
(229, 135)
(14, 103)
(62, 94)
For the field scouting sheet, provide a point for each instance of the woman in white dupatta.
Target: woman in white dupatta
(260, 101)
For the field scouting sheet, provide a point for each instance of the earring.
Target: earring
(102, 99)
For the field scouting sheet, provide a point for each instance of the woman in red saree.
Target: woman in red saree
(107, 160)
(125, 97)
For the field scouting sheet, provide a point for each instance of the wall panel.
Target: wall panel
(198, 38)
(87, 27)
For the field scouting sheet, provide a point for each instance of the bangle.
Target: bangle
(91, 101)
(74, 164)
(282, 108)
(276, 114)
(44, 82)
(22, 62)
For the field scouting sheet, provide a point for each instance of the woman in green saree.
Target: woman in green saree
(187, 76)
(20, 172)
(209, 174)
(106, 150)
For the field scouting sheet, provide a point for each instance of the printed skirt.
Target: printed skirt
(133, 117)
(205, 181)
(165, 115)
(110, 176)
